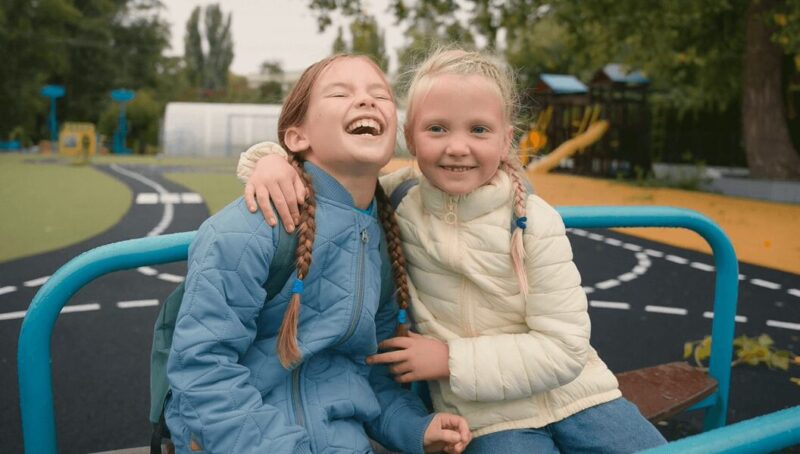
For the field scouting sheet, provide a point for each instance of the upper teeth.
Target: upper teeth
(364, 122)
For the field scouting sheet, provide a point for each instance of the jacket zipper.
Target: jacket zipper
(359, 288)
(451, 219)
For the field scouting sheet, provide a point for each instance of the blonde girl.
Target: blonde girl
(496, 298)
(286, 373)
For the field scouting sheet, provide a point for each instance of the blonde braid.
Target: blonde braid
(395, 249)
(511, 167)
(288, 351)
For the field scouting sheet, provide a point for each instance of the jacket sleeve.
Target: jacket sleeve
(403, 420)
(217, 406)
(249, 158)
(554, 350)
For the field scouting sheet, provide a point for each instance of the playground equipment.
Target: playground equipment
(77, 140)
(570, 147)
(122, 97)
(53, 92)
(772, 432)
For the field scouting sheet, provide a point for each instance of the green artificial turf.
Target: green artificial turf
(48, 203)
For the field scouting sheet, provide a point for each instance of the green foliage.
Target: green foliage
(208, 70)
(751, 351)
(142, 115)
(366, 38)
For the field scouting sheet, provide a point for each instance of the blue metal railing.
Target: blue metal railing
(35, 384)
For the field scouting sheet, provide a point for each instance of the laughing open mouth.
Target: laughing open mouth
(365, 126)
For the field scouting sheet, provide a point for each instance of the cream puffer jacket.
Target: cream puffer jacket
(515, 362)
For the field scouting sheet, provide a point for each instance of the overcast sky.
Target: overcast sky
(283, 30)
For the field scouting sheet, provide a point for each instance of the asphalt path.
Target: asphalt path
(646, 300)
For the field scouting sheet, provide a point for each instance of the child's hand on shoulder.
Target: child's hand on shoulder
(274, 178)
(414, 358)
(447, 432)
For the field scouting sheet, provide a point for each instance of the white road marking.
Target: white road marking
(609, 305)
(676, 259)
(639, 269)
(80, 308)
(588, 290)
(607, 284)
(627, 277)
(170, 277)
(580, 232)
(666, 310)
(191, 197)
(738, 318)
(793, 292)
(654, 253)
(146, 198)
(147, 271)
(596, 237)
(701, 266)
(742, 277)
(613, 241)
(170, 197)
(787, 325)
(136, 303)
(169, 210)
(7, 289)
(12, 315)
(765, 284)
(36, 282)
(632, 247)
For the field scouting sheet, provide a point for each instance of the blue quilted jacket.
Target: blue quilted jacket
(229, 392)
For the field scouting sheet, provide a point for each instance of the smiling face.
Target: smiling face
(351, 123)
(459, 133)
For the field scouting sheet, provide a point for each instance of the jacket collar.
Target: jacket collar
(485, 199)
(328, 187)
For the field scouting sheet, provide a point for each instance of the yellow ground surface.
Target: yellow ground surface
(762, 233)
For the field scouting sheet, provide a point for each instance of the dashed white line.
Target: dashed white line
(596, 237)
(80, 308)
(639, 269)
(170, 277)
(627, 277)
(169, 210)
(170, 197)
(36, 282)
(793, 292)
(701, 266)
(676, 259)
(191, 197)
(607, 284)
(12, 315)
(146, 198)
(666, 310)
(612, 241)
(580, 232)
(588, 290)
(765, 284)
(632, 247)
(147, 271)
(786, 325)
(609, 305)
(742, 277)
(7, 289)
(654, 253)
(738, 318)
(136, 303)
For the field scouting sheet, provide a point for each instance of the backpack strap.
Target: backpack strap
(401, 190)
(282, 265)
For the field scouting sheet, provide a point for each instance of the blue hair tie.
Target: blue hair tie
(297, 287)
(521, 222)
(402, 318)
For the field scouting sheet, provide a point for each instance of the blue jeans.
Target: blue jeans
(612, 427)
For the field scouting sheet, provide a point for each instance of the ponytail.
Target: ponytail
(392, 231)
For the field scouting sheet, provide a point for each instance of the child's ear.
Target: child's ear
(296, 140)
(409, 140)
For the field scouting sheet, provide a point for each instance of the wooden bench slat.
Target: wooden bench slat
(666, 390)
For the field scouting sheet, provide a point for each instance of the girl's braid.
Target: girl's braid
(288, 351)
(395, 249)
(512, 168)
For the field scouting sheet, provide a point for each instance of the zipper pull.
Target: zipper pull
(364, 236)
(450, 217)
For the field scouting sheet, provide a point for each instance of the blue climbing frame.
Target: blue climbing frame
(35, 385)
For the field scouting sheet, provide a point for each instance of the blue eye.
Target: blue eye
(480, 130)
(436, 128)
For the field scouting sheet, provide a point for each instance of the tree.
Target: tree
(271, 91)
(366, 38)
(709, 53)
(208, 69)
(339, 44)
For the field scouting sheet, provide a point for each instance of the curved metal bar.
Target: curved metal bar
(33, 351)
(767, 433)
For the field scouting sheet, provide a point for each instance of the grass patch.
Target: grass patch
(216, 189)
(47, 206)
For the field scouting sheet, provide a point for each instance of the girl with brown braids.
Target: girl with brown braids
(496, 296)
(287, 373)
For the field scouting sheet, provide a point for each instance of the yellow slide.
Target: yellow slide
(593, 134)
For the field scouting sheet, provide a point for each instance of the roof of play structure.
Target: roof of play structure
(562, 84)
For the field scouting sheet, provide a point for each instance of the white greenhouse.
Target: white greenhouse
(214, 129)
